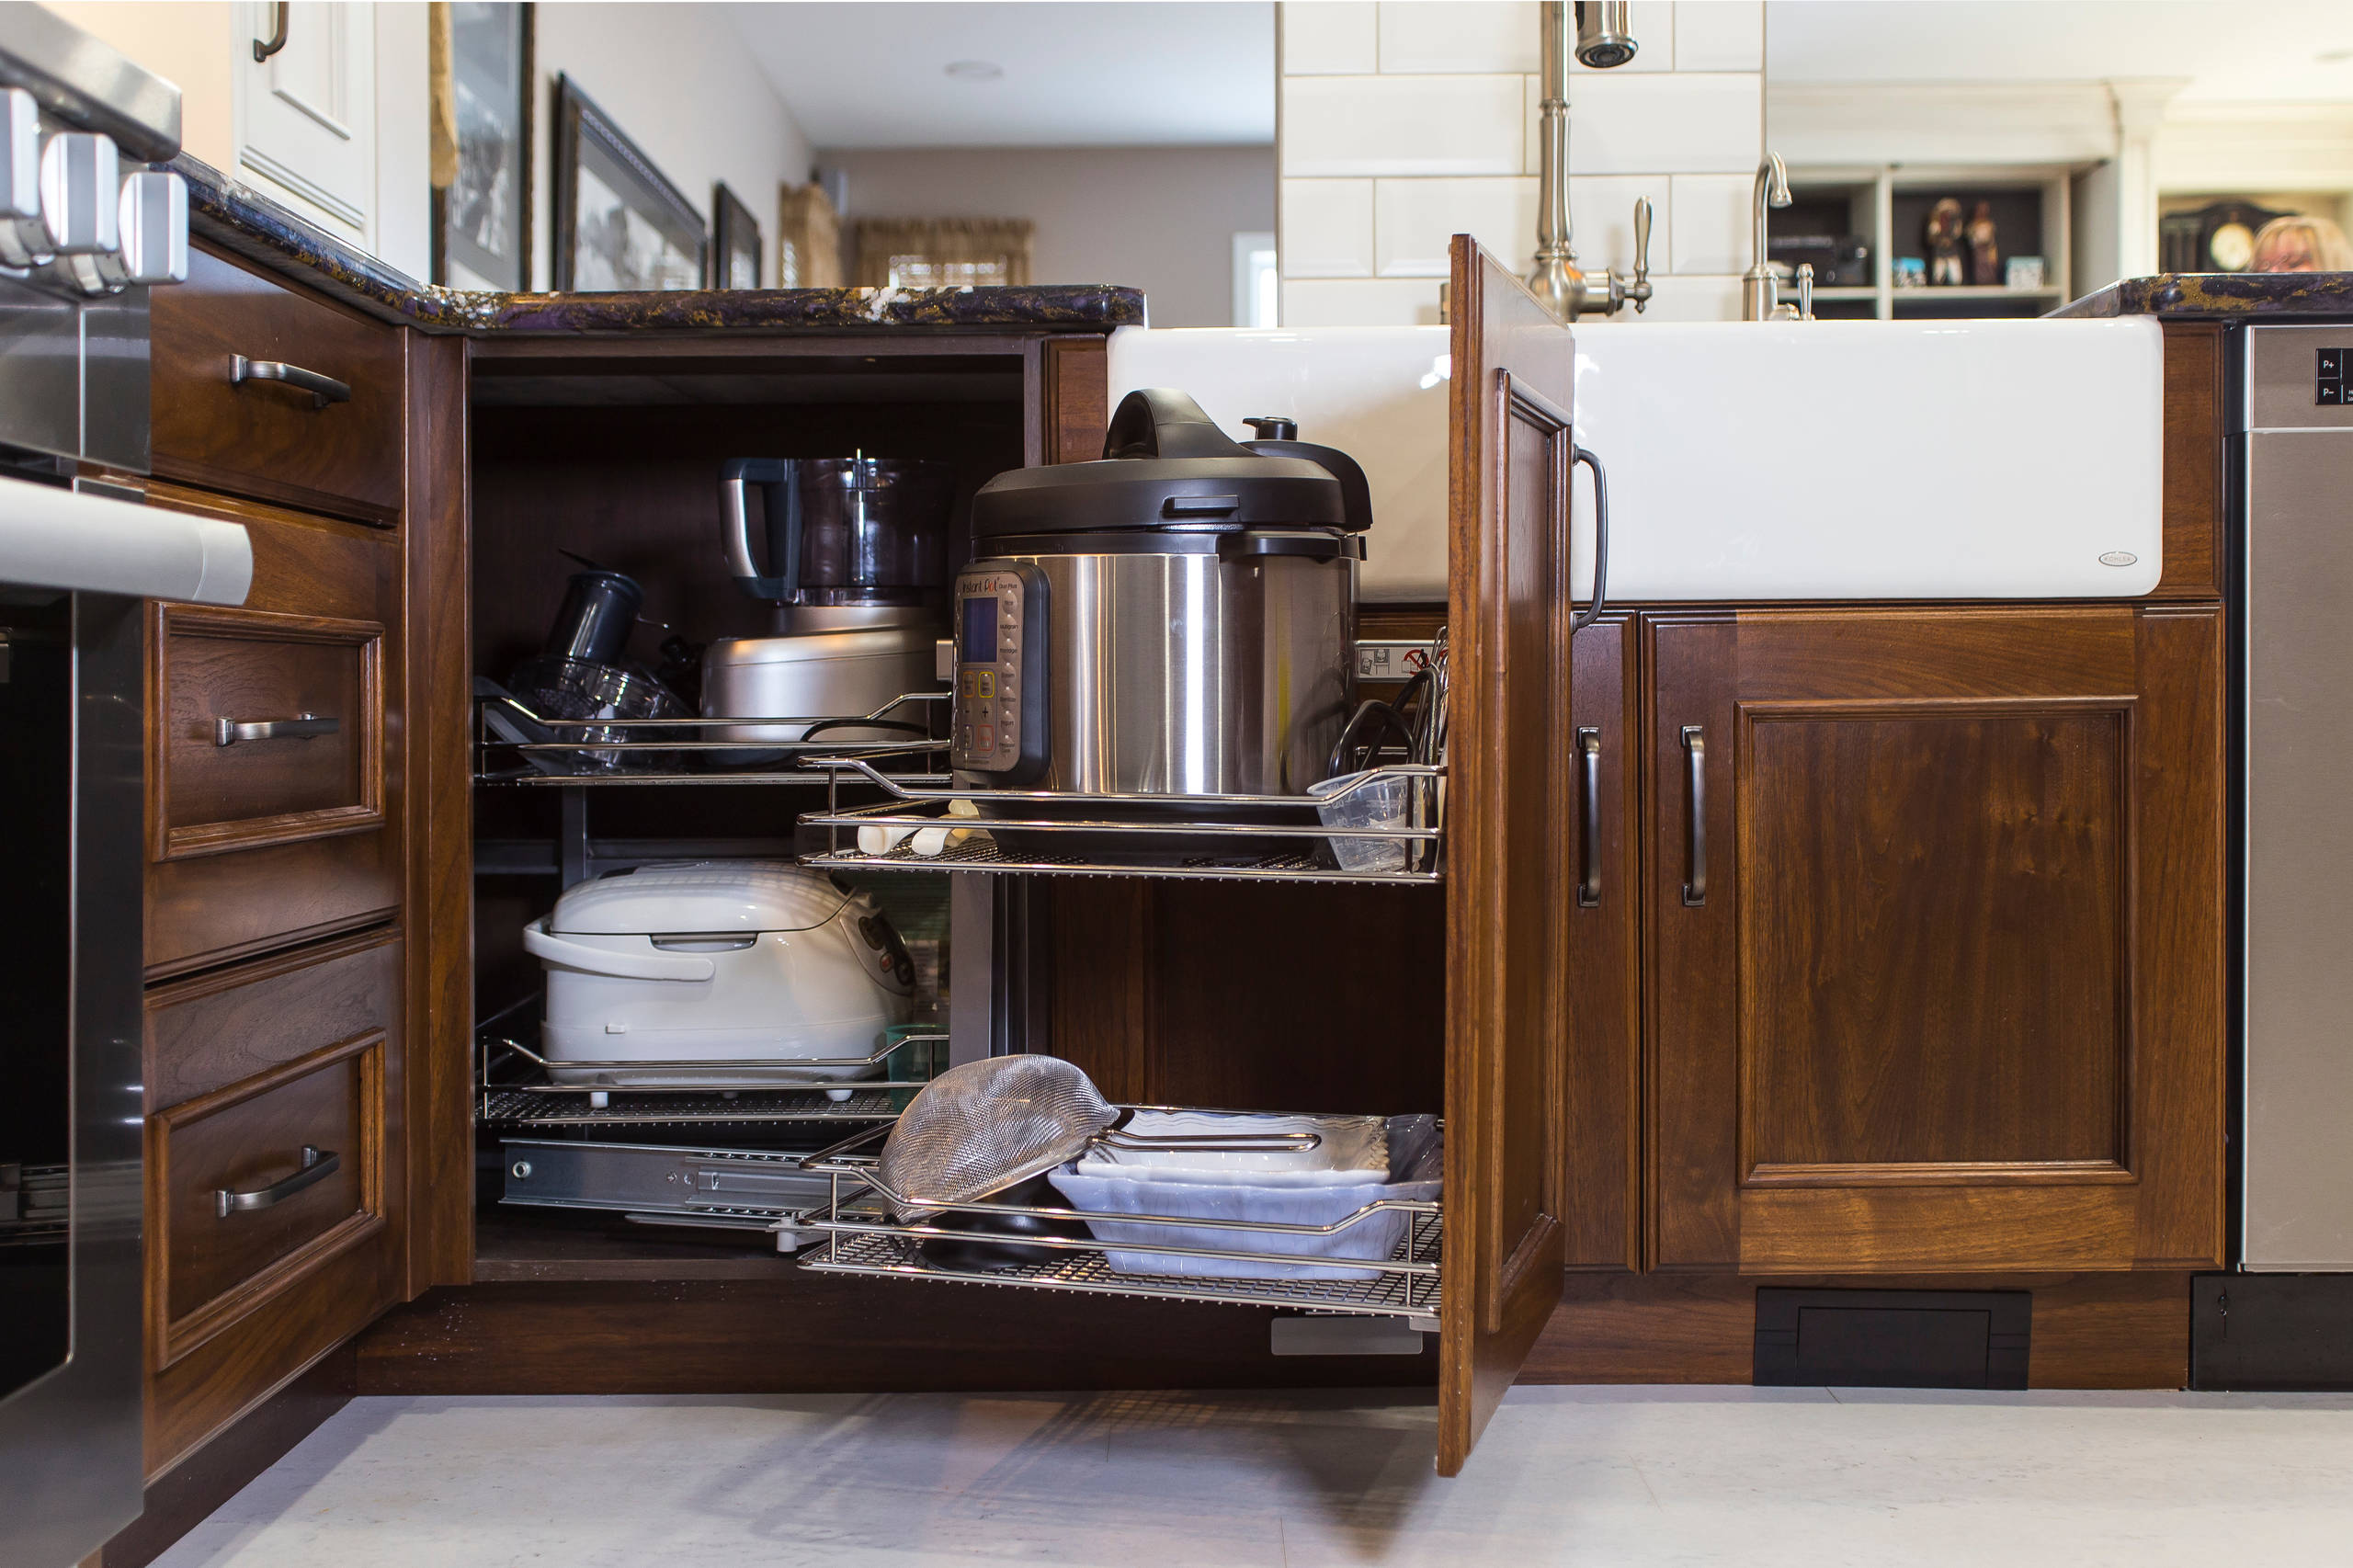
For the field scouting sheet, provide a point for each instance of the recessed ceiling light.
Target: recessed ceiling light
(975, 70)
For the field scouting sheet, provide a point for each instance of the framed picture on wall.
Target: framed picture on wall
(482, 118)
(620, 223)
(734, 241)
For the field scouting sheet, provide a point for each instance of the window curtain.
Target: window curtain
(942, 253)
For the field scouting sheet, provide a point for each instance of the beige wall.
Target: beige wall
(1161, 219)
(679, 83)
(186, 42)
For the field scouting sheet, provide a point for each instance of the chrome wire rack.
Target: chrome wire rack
(862, 1236)
(514, 746)
(516, 1092)
(1254, 837)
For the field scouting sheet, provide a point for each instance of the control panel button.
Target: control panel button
(2329, 377)
(2332, 364)
(2329, 393)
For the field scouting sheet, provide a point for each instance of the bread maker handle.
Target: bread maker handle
(541, 943)
(775, 478)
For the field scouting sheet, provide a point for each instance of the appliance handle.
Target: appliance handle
(1317, 545)
(1600, 539)
(542, 943)
(1695, 822)
(55, 537)
(775, 478)
(316, 1166)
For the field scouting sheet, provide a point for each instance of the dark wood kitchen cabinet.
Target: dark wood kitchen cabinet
(1933, 926)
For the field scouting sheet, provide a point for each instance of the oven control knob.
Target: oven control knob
(24, 237)
(81, 200)
(154, 223)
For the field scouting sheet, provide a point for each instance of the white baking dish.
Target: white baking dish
(719, 974)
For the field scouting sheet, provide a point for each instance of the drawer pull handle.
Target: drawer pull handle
(264, 47)
(324, 390)
(302, 727)
(1695, 847)
(317, 1166)
(1589, 851)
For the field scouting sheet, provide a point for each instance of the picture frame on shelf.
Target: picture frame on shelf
(2024, 272)
(621, 224)
(734, 241)
(480, 212)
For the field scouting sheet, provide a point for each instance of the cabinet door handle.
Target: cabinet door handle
(1695, 818)
(264, 47)
(302, 727)
(317, 1166)
(324, 390)
(1589, 851)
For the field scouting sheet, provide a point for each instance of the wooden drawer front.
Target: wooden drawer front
(271, 438)
(227, 1025)
(221, 675)
(226, 1184)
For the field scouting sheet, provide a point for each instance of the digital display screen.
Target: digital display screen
(980, 630)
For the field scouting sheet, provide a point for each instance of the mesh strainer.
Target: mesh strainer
(979, 1128)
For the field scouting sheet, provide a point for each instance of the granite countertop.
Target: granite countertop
(249, 225)
(2222, 296)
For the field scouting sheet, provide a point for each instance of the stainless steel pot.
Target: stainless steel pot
(1177, 618)
(850, 670)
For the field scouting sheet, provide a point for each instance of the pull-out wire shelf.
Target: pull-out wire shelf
(516, 746)
(1063, 833)
(862, 1235)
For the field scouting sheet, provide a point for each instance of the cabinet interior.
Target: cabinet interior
(1263, 996)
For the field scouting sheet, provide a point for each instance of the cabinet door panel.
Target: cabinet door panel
(1602, 1060)
(1509, 848)
(1951, 999)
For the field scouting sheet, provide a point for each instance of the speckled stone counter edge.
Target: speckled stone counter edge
(249, 225)
(2220, 295)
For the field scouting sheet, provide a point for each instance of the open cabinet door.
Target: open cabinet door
(1508, 873)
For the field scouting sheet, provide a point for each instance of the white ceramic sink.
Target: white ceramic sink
(1814, 459)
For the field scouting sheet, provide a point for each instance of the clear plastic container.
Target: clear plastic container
(1375, 798)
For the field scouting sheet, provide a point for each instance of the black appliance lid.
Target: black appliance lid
(1165, 465)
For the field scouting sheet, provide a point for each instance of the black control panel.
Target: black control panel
(2328, 383)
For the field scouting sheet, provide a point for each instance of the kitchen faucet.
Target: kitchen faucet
(1556, 278)
(1758, 288)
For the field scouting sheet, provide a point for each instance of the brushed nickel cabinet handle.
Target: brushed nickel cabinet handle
(1695, 822)
(1589, 852)
(264, 47)
(324, 390)
(302, 727)
(317, 1166)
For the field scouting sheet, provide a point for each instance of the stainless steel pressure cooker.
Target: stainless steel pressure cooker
(1178, 617)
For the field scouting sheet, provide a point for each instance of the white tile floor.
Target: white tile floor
(1623, 1477)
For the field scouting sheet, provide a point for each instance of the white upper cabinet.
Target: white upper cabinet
(306, 115)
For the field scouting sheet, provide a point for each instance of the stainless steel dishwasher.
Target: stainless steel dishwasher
(2292, 435)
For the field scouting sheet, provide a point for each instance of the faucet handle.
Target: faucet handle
(1637, 288)
(1805, 290)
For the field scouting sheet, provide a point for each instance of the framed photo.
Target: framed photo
(482, 208)
(620, 224)
(734, 241)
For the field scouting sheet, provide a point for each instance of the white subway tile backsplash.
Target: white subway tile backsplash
(1677, 123)
(1372, 302)
(1601, 214)
(1414, 220)
(1694, 297)
(1327, 228)
(1720, 35)
(1714, 222)
(1458, 36)
(1341, 126)
(1323, 37)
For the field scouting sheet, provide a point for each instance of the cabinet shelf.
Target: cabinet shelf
(1253, 838)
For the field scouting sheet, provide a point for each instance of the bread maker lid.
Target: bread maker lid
(1165, 465)
(680, 897)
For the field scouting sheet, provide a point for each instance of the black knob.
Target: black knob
(1274, 427)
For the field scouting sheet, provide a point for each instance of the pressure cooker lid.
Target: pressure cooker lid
(1165, 464)
(678, 897)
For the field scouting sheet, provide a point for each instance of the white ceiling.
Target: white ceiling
(1077, 72)
(2274, 51)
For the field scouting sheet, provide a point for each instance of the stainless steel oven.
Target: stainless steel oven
(85, 228)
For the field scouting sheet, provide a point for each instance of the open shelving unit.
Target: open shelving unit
(1885, 204)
